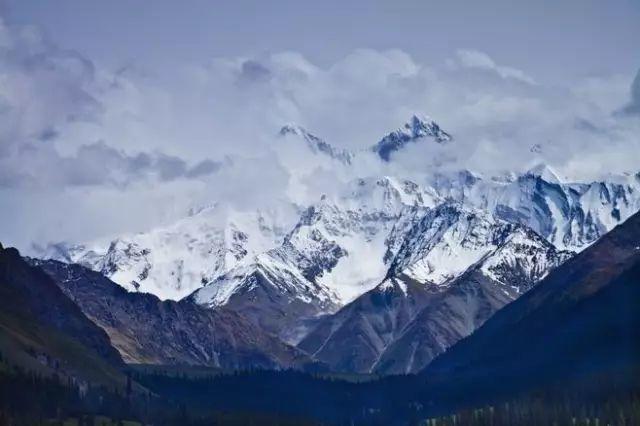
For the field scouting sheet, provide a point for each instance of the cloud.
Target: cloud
(162, 141)
(253, 71)
(42, 88)
(93, 164)
(481, 61)
(83, 214)
(45, 94)
(633, 108)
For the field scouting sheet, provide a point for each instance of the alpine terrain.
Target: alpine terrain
(381, 276)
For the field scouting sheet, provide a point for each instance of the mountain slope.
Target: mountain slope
(570, 215)
(445, 319)
(173, 261)
(315, 144)
(417, 312)
(353, 339)
(520, 259)
(147, 330)
(581, 320)
(43, 331)
(337, 251)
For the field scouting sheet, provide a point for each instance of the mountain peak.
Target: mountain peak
(293, 129)
(544, 172)
(419, 126)
(315, 144)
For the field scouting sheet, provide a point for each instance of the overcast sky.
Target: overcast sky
(553, 40)
(120, 115)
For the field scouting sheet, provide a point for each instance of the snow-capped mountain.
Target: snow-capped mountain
(336, 252)
(358, 225)
(449, 239)
(173, 261)
(570, 215)
(416, 129)
(520, 261)
(463, 265)
(146, 330)
(383, 273)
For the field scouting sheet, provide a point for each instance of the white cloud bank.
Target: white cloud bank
(481, 61)
(86, 152)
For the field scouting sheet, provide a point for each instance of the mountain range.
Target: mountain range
(573, 335)
(381, 276)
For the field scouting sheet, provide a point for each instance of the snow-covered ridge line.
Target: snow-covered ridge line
(368, 221)
(343, 244)
(316, 144)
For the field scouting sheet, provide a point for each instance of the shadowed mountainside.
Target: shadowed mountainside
(147, 330)
(42, 330)
(582, 320)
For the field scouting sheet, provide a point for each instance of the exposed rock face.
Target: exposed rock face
(419, 311)
(354, 339)
(444, 320)
(147, 330)
(580, 321)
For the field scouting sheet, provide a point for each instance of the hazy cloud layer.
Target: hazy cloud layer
(133, 147)
(633, 108)
(45, 94)
(95, 164)
(482, 61)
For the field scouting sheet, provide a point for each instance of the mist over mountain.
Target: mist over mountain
(382, 274)
(166, 140)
